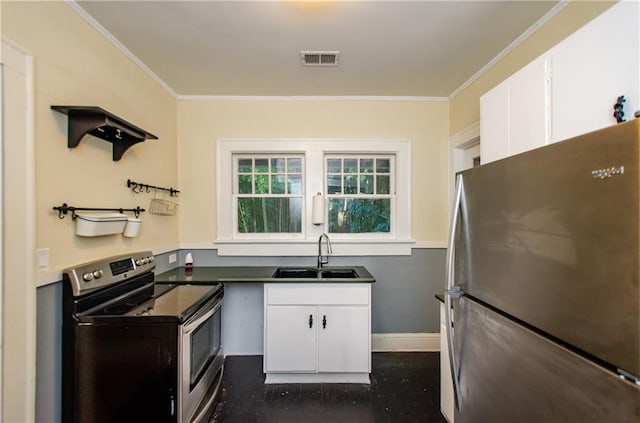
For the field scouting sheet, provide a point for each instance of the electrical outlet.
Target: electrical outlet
(172, 258)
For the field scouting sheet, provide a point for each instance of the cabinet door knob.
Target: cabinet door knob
(324, 322)
(310, 321)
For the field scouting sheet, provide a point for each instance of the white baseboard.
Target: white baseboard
(386, 342)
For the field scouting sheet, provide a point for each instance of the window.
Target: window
(268, 193)
(360, 193)
(265, 189)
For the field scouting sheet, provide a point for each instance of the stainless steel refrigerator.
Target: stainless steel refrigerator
(543, 272)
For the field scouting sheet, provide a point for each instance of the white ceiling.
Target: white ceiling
(252, 48)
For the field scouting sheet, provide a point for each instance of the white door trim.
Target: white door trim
(19, 232)
(466, 138)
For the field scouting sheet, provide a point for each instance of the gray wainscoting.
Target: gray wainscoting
(402, 297)
(402, 302)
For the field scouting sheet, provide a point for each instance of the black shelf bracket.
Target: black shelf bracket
(104, 125)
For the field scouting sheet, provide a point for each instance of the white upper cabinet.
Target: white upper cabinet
(568, 91)
(494, 124)
(514, 116)
(592, 68)
(529, 107)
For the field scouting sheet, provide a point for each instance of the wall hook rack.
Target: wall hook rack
(64, 209)
(138, 187)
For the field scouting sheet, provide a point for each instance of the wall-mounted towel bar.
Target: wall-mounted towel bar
(64, 209)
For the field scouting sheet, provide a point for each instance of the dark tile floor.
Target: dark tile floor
(405, 387)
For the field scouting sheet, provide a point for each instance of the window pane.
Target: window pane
(382, 166)
(383, 184)
(277, 165)
(350, 165)
(333, 184)
(277, 184)
(260, 215)
(262, 184)
(334, 165)
(295, 184)
(366, 165)
(354, 215)
(295, 165)
(366, 184)
(262, 165)
(350, 184)
(244, 184)
(245, 165)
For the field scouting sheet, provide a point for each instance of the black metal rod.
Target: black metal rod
(64, 209)
(139, 187)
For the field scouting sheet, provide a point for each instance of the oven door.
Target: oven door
(201, 361)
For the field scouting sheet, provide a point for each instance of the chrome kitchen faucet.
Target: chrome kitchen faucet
(323, 260)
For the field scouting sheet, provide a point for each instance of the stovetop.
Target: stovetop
(177, 300)
(170, 303)
(122, 288)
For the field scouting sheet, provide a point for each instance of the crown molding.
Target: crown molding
(105, 33)
(311, 98)
(515, 43)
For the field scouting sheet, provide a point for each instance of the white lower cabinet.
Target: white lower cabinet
(317, 333)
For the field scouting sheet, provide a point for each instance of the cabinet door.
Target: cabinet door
(515, 116)
(494, 124)
(592, 68)
(528, 107)
(344, 339)
(290, 339)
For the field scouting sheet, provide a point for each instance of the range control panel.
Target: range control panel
(87, 277)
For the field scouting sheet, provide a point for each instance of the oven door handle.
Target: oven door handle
(191, 326)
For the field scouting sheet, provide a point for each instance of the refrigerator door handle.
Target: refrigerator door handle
(453, 291)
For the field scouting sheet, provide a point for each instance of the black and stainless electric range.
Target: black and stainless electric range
(134, 350)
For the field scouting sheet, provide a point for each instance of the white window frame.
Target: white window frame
(314, 152)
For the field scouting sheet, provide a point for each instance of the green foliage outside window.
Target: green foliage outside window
(354, 215)
(263, 215)
(269, 195)
(359, 191)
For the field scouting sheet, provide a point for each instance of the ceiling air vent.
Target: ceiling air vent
(320, 58)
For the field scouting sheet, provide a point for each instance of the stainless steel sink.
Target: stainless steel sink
(313, 273)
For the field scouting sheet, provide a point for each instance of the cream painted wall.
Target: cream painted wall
(75, 65)
(202, 122)
(464, 108)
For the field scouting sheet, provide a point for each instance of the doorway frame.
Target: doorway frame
(459, 142)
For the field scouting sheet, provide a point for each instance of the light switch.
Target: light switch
(43, 259)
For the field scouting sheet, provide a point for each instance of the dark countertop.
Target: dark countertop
(257, 274)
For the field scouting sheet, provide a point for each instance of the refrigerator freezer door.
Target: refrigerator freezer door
(551, 237)
(511, 374)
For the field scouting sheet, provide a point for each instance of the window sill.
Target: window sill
(310, 248)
